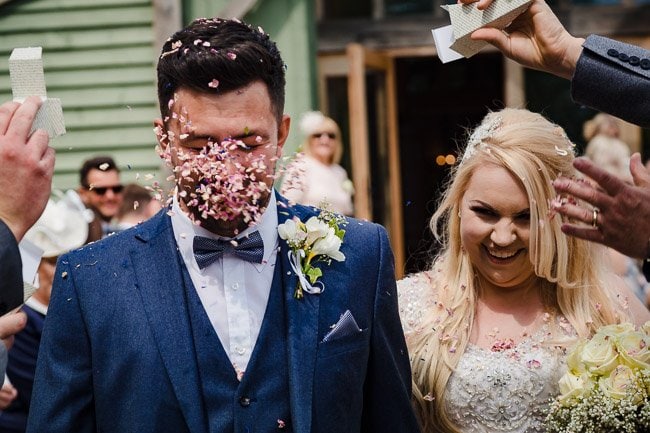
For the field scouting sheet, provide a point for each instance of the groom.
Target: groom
(188, 322)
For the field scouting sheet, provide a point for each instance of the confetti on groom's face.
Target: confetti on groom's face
(222, 149)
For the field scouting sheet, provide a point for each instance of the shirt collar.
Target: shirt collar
(185, 230)
(36, 306)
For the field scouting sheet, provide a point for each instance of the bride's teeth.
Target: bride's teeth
(502, 255)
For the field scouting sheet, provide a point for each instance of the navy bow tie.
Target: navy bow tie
(249, 248)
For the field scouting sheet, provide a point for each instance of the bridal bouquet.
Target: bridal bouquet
(607, 386)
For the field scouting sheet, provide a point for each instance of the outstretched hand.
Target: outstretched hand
(27, 166)
(535, 39)
(7, 395)
(623, 217)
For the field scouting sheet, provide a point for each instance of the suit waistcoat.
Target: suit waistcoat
(260, 402)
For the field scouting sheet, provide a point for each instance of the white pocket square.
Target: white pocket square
(345, 326)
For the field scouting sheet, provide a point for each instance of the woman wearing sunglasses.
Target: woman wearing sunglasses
(315, 176)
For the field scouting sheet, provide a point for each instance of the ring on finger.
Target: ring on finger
(594, 217)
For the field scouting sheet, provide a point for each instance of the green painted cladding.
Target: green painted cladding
(98, 57)
(291, 24)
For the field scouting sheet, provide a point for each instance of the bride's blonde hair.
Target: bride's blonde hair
(536, 151)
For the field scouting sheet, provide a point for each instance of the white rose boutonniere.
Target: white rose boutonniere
(319, 239)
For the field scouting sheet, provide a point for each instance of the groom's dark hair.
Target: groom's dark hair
(215, 56)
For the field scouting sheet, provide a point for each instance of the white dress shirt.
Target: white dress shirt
(234, 292)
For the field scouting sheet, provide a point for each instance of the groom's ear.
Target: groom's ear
(161, 133)
(283, 131)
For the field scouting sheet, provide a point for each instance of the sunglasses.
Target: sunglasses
(331, 135)
(101, 190)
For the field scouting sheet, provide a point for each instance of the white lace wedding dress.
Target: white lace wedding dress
(493, 391)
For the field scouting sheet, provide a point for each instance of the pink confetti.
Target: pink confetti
(231, 56)
(533, 363)
(281, 423)
(501, 345)
(214, 83)
(226, 184)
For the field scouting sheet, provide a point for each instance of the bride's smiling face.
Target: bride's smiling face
(495, 227)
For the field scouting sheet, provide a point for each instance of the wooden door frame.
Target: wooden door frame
(353, 65)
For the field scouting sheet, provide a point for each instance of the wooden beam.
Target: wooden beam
(514, 89)
(359, 132)
(395, 186)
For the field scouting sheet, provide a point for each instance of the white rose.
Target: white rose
(329, 246)
(646, 328)
(287, 230)
(316, 229)
(633, 349)
(620, 383)
(572, 386)
(616, 329)
(574, 359)
(599, 354)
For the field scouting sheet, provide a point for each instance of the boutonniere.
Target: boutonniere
(318, 239)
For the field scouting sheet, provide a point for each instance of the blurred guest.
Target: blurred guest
(315, 176)
(613, 155)
(101, 190)
(601, 124)
(137, 205)
(60, 229)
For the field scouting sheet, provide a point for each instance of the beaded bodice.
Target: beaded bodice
(492, 391)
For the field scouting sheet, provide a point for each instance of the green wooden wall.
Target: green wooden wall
(98, 57)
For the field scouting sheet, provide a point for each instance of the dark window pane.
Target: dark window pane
(551, 96)
(437, 104)
(404, 7)
(348, 9)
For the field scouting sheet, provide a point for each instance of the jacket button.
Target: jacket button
(244, 402)
(634, 61)
(623, 57)
(612, 52)
(645, 64)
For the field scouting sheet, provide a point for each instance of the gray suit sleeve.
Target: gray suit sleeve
(11, 273)
(614, 77)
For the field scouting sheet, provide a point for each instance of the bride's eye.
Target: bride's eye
(483, 211)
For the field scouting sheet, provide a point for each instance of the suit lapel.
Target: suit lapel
(302, 326)
(159, 278)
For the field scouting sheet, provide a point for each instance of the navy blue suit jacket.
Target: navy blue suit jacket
(117, 355)
(11, 277)
(614, 77)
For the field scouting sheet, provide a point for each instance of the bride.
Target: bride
(489, 325)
